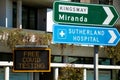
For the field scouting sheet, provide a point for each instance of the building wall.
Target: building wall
(82, 51)
(68, 50)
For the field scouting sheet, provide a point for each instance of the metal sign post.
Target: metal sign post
(96, 72)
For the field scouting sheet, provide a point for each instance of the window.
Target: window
(14, 16)
(104, 61)
(6, 57)
(29, 17)
(105, 1)
(80, 60)
(76, 60)
(56, 59)
(75, 0)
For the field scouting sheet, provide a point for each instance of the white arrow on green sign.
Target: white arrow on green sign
(84, 14)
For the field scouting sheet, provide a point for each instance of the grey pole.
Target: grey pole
(56, 73)
(85, 74)
(7, 73)
(19, 14)
(96, 62)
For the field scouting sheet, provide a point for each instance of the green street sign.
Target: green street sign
(84, 14)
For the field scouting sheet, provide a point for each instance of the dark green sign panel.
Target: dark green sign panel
(31, 60)
(84, 14)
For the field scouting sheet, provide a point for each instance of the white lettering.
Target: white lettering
(85, 38)
(86, 32)
(72, 18)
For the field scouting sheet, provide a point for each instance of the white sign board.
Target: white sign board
(49, 20)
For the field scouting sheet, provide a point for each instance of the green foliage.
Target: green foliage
(12, 37)
(71, 73)
(113, 52)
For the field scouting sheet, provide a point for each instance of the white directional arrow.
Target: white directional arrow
(113, 36)
(110, 15)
